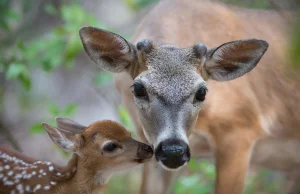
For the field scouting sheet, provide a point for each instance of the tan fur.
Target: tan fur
(255, 110)
(87, 172)
(237, 113)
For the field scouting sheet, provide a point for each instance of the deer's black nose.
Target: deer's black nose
(173, 153)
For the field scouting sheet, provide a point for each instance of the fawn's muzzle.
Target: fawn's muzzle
(173, 153)
(144, 153)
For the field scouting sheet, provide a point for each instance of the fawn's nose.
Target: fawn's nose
(144, 151)
(173, 153)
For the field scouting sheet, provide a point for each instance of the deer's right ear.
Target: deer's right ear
(69, 126)
(67, 144)
(109, 50)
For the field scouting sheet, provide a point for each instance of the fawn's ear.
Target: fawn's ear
(66, 141)
(69, 126)
(234, 59)
(109, 50)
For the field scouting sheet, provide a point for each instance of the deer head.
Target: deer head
(104, 145)
(169, 83)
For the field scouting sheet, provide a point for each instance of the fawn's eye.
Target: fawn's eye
(139, 90)
(200, 95)
(110, 147)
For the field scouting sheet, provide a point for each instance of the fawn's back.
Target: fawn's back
(21, 174)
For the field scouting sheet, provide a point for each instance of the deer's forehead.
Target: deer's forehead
(169, 56)
(173, 85)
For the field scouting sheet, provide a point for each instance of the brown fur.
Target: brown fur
(88, 170)
(230, 118)
(241, 118)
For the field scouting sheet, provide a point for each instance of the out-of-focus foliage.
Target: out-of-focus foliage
(200, 179)
(258, 4)
(57, 48)
(125, 118)
(295, 44)
(55, 111)
(7, 16)
(138, 4)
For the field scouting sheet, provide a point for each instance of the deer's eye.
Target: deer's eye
(139, 90)
(110, 147)
(200, 95)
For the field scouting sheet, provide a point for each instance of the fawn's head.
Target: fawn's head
(103, 146)
(169, 82)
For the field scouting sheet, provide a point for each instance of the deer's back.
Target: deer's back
(267, 95)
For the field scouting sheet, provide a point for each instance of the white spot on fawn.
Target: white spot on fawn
(7, 167)
(37, 187)
(10, 173)
(20, 188)
(51, 168)
(8, 182)
(52, 183)
(46, 187)
(27, 188)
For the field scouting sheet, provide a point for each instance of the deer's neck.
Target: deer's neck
(85, 180)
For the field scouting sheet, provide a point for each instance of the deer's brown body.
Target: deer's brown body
(87, 172)
(261, 104)
(253, 116)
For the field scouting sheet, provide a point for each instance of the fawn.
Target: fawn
(98, 150)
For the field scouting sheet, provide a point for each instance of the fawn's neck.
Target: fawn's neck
(86, 180)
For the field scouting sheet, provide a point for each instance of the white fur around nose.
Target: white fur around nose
(169, 133)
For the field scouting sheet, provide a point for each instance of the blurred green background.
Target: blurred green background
(39, 40)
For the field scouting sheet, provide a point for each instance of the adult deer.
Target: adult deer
(98, 150)
(170, 73)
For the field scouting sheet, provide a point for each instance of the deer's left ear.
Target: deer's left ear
(109, 50)
(233, 59)
(67, 141)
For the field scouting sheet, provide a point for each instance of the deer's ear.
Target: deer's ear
(234, 59)
(65, 141)
(69, 126)
(109, 50)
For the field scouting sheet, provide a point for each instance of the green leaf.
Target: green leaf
(125, 118)
(15, 70)
(70, 110)
(26, 82)
(54, 110)
(19, 71)
(4, 25)
(36, 129)
(13, 15)
(102, 78)
(72, 49)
